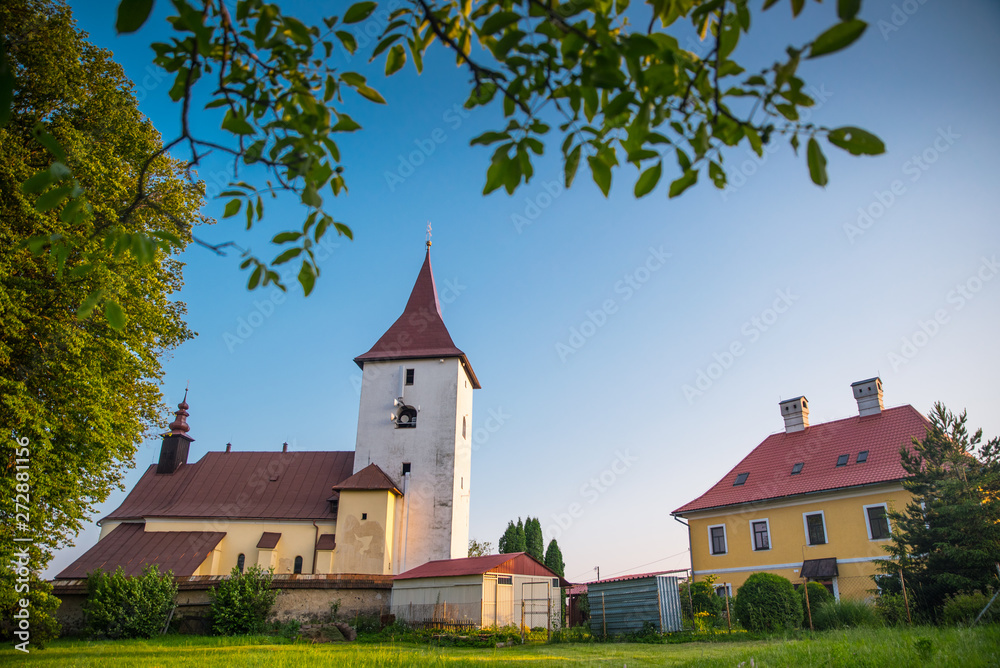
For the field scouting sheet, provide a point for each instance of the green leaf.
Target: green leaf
(37, 183)
(838, 37)
(255, 278)
(497, 22)
(359, 12)
(648, 180)
(370, 93)
(287, 255)
(345, 124)
(113, 312)
(131, 15)
(817, 162)
(52, 198)
(488, 138)
(232, 208)
(285, 237)
(601, 173)
(848, 9)
(687, 179)
(307, 278)
(87, 307)
(236, 124)
(856, 141)
(395, 60)
(347, 39)
(344, 230)
(48, 141)
(572, 163)
(717, 174)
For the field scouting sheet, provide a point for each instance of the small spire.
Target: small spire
(180, 425)
(428, 234)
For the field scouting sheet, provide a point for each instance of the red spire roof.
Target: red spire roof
(419, 332)
(817, 448)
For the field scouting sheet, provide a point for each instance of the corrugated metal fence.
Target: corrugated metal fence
(623, 606)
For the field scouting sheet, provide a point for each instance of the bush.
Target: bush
(818, 596)
(846, 614)
(700, 605)
(768, 602)
(962, 609)
(575, 634)
(243, 601)
(118, 606)
(892, 609)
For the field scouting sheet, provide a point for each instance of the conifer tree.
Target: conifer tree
(521, 542)
(554, 559)
(508, 541)
(534, 542)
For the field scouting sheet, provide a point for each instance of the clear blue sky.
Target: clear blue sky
(927, 85)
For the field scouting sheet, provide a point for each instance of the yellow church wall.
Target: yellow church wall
(298, 538)
(847, 538)
(366, 520)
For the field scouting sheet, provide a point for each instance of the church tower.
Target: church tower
(415, 424)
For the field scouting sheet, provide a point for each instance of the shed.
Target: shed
(622, 605)
(495, 590)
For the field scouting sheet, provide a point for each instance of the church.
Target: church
(398, 501)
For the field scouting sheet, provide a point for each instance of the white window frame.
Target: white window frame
(805, 527)
(728, 586)
(725, 537)
(770, 539)
(868, 525)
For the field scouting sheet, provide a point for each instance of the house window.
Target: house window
(240, 561)
(740, 479)
(862, 457)
(364, 516)
(463, 426)
(406, 467)
(815, 528)
(298, 565)
(724, 590)
(877, 522)
(505, 579)
(797, 469)
(842, 460)
(761, 534)
(409, 376)
(555, 583)
(717, 538)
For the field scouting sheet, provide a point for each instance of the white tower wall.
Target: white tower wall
(433, 521)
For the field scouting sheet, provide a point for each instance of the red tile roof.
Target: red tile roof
(370, 477)
(131, 547)
(517, 563)
(258, 485)
(419, 332)
(817, 448)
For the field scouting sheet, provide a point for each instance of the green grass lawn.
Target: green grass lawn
(896, 648)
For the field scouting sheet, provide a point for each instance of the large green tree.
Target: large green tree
(609, 83)
(947, 538)
(554, 558)
(534, 543)
(77, 396)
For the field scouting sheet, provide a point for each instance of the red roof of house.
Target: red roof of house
(131, 547)
(419, 332)
(515, 563)
(268, 540)
(817, 448)
(259, 485)
(636, 576)
(370, 477)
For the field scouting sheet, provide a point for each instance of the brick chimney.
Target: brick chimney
(174, 449)
(796, 414)
(868, 394)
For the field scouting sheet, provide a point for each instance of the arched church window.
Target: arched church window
(298, 565)
(240, 561)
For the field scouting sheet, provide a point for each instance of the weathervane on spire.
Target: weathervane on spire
(428, 234)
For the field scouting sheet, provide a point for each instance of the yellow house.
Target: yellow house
(809, 502)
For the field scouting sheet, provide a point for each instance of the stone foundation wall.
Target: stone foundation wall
(302, 598)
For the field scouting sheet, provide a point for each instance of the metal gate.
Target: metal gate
(536, 604)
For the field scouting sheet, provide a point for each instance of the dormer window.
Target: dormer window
(797, 469)
(842, 460)
(740, 479)
(862, 457)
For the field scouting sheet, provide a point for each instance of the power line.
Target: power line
(649, 564)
